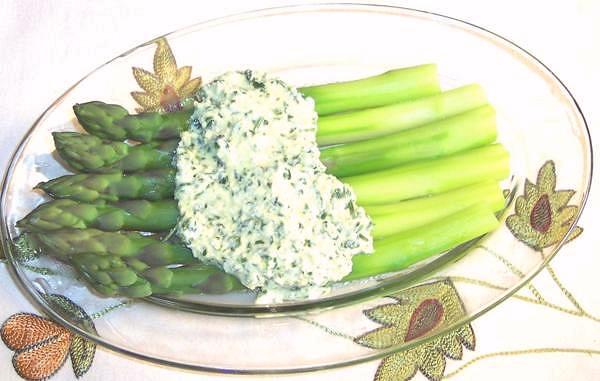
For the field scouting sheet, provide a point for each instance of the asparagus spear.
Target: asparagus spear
(390, 87)
(89, 153)
(110, 275)
(113, 122)
(468, 130)
(401, 250)
(489, 163)
(141, 252)
(409, 214)
(366, 124)
(152, 185)
(133, 265)
(123, 215)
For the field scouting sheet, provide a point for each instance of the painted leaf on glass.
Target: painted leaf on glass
(81, 350)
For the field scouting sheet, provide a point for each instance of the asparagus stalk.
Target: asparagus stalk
(468, 130)
(390, 87)
(130, 264)
(89, 153)
(141, 252)
(401, 250)
(366, 124)
(410, 214)
(112, 276)
(152, 185)
(113, 122)
(194, 279)
(152, 216)
(489, 163)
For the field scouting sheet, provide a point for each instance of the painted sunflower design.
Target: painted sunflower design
(418, 311)
(168, 86)
(542, 215)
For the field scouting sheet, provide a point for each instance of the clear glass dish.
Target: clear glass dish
(538, 121)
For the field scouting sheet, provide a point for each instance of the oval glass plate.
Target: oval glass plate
(538, 121)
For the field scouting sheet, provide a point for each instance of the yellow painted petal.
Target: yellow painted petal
(147, 81)
(149, 102)
(565, 215)
(390, 314)
(576, 232)
(183, 75)
(190, 87)
(450, 346)
(521, 206)
(466, 336)
(400, 366)
(546, 179)
(383, 337)
(165, 66)
(560, 198)
(432, 363)
(531, 190)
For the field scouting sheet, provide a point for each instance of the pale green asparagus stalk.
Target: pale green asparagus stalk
(489, 163)
(465, 131)
(405, 215)
(404, 249)
(390, 87)
(369, 123)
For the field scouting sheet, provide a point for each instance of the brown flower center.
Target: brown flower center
(169, 100)
(425, 318)
(541, 214)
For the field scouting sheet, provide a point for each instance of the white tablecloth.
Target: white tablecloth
(46, 46)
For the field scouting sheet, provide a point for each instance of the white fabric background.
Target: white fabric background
(46, 46)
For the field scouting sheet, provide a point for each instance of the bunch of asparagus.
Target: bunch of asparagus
(422, 162)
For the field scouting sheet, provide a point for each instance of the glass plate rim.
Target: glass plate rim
(38, 300)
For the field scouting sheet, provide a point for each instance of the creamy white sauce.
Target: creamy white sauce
(255, 199)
